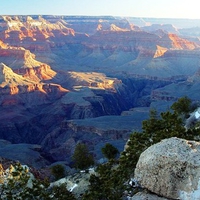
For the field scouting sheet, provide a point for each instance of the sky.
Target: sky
(134, 8)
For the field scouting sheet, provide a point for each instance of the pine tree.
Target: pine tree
(109, 151)
(82, 157)
(58, 171)
(183, 106)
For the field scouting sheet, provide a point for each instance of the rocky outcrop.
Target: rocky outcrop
(116, 25)
(180, 43)
(145, 195)
(173, 41)
(186, 87)
(159, 51)
(167, 28)
(23, 63)
(33, 33)
(23, 153)
(79, 80)
(60, 143)
(162, 96)
(171, 168)
(18, 57)
(18, 90)
(40, 73)
(90, 25)
(30, 95)
(17, 28)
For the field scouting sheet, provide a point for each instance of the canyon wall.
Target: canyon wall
(58, 69)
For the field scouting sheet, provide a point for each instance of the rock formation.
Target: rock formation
(56, 70)
(170, 169)
(60, 143)
(23, 27)
(16, 89)
(23, 153)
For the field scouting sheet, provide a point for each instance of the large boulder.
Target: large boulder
(171, 168)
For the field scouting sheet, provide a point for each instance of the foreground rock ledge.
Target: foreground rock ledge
(146, 196)
(171, 168)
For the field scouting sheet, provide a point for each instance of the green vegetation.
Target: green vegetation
(109, 151)
(106, 184)
(82, 158)
(183, 106)
(58, 171)
(20, 185)
(109, 183)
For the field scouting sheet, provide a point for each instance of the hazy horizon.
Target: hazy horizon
(122, 8)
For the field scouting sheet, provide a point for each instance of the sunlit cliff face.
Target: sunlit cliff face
(180, 43)
(29, 28)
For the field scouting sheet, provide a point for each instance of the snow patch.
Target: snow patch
(72, 188)
(197, 114)
(70, 184)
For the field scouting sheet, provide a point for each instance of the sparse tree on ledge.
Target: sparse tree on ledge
(58, 171)
(109, 151)
(82, 158)
(183, 106)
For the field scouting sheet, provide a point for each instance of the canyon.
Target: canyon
(71, 79)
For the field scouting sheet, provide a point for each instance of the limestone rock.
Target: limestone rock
(77, 183)
(171, 168)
